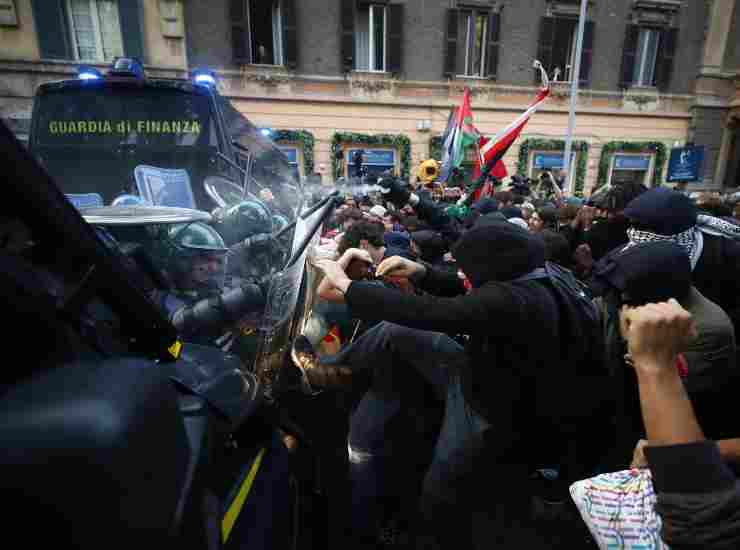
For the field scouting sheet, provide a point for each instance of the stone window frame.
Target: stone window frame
(655, 13)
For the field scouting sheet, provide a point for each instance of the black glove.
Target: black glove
(394, 191)
(219, 311)
(261, 239)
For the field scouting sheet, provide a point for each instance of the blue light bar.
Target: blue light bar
(85, 72)
(266, 132)
(127, 66)
(204, 77)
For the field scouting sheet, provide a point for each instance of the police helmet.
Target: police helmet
(196, 237)
(197, 256)
(245, 219)
(279, 222)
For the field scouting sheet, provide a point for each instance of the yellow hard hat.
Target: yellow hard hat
(428, 171)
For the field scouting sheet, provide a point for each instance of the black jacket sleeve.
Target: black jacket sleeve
(440, 281)
(698, 496)
(467, 314)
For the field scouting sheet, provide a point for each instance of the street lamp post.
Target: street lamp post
(574, 78)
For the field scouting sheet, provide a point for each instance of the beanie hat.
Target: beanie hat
(431, 244)
(662, 211)
(498, 251)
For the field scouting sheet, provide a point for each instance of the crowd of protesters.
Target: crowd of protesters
(488, 384)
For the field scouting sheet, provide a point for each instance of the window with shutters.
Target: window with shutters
(647, 56)
(471, 43)
(94, 30)
(564, 49)
(473, 33)
(370, 38)
(263, 32)
(557, 48)
(643, 71)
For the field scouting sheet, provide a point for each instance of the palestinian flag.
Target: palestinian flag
(460, 135)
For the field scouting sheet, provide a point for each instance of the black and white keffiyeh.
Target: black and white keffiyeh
(692, 240)
(718, 227)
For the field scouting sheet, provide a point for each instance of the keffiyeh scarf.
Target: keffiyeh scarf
(692, 240)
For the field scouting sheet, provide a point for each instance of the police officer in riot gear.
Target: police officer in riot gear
(247, 229)
(202, 307)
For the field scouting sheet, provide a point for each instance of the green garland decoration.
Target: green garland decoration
(305, 139)
(555, 145)
(397, 141)
(632, 147)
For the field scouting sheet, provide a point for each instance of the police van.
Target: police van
(130, 150)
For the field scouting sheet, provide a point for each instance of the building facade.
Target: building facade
(328, 77)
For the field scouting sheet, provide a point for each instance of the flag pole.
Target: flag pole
(574, 80)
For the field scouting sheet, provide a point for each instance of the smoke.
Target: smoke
(359, 189)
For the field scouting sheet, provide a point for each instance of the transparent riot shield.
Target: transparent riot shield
(289, 300)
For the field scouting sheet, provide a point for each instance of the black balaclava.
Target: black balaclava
(645, 273)
(498, 251)
(431, 244)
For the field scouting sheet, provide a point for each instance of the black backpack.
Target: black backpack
(570, 394)
(580, 318)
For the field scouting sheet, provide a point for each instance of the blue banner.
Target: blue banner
(374, 157)
(549, 161)
(686, 164)
(632, 162)
(291, 153)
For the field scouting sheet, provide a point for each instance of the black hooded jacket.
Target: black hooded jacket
(511, 374)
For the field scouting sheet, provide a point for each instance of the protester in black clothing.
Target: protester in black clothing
(647, 273)
(713, 245)
(557, 248)
(525, 393)
(429, 246)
